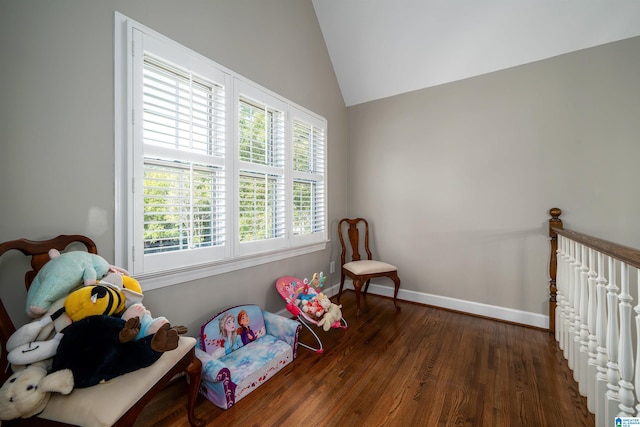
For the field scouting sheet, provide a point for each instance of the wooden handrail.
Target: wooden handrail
(626, 254)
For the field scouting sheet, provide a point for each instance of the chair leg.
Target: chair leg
(357, 284)
(366, 287)
(396, 280)
(194, 372)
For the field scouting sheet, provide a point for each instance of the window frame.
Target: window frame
(245, 90)
(233, 255)
(317, 176)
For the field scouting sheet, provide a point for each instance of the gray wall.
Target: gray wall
(57, 121)
(457, 180)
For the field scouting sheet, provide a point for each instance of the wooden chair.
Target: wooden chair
(117, 402)
(361, 271)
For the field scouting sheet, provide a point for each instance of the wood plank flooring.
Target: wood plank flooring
(421, 366)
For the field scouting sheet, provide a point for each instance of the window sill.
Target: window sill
(173, 277)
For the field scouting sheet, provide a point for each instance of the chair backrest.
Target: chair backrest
(354, 228)
(216, 341)
(288, 287)
(39, 253)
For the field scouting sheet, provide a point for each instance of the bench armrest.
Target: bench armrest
(211, 366)
(282, 328)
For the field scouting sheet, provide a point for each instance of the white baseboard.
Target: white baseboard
(476, 308)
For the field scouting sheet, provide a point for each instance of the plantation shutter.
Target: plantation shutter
(183, 164)
(309, 197)
(261, 184)
(214, 172)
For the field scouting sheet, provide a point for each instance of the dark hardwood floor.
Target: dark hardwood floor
(421, 366)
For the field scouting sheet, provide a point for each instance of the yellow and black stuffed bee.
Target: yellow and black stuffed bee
(108, 297)
(94, 300)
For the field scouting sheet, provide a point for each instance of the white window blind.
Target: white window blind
(309, 210)
(218, 173)
(184, 145)
(261, 206)
(182, 208)
(261, 171)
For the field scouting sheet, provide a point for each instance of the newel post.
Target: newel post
(554, 222)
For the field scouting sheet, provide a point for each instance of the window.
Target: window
(213, 172)
(183, 147)
(261, 169)
(308, 177)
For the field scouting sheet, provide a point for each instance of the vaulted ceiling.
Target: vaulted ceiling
(381, 48)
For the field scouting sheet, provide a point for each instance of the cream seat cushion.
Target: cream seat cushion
(103, 404)
(369, 267)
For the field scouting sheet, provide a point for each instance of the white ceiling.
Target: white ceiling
(381, 48)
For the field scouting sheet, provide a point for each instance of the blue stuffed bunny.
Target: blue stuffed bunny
(62, 274)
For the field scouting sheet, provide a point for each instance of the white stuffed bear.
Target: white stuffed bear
(332, 315)
(27, 392)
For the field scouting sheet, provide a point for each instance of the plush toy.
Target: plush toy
(62, 274)
(86, 301)
(94, 300)
(304, 297)
(306, 290)
(324, 302)
(27, 391)
(148, 324)
(29, 344)
(126, 284)
(110, 297)
(38, 340)
(313, 306)
(114, 295)
(99, 348)
(332, 315)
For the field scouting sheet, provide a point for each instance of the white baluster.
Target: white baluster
(568, 298)
(601, 335)
(625, 349)
(613, 374)
(560, 292)
(581, 313)
(571, 326)
(565, 292)
(583, 357)
(593, 343)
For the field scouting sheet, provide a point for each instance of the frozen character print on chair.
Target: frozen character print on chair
(229, 334)
(231, 368)
(245, 332)
(232, 329)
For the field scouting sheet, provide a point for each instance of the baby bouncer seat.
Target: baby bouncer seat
(306, 303)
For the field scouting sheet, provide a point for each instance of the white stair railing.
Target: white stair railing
(593, 319)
